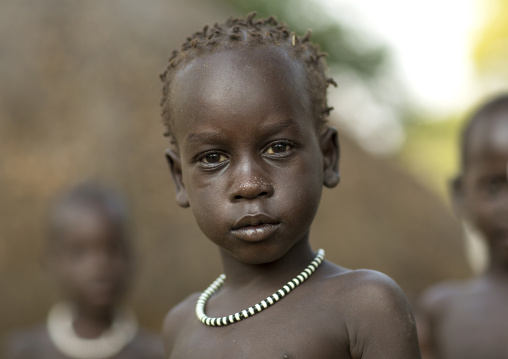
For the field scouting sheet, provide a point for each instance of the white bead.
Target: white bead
(292, 284)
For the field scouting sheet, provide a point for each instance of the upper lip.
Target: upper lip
(254, 220)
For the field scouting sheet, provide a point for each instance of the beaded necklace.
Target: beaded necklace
(112, 341)
(249, 312)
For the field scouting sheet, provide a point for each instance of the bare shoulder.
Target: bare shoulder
(25, 343)
(439, 296)
(176, 318)
(370, 291)
(377, 315)
(431, 308)
(145, 344)
(363, 286)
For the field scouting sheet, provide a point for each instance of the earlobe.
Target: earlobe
(331, 155)
(175, 166)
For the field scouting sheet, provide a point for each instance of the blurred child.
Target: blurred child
(245, 107)
(469, 319)
(89, 256)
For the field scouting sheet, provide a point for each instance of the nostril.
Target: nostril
(262, 194)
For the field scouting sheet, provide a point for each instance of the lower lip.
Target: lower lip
(255, 233)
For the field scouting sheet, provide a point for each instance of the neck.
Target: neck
(241, 274)
(91, 322)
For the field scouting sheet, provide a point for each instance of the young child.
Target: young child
(89, 255)
(245, 107)
(469, 319)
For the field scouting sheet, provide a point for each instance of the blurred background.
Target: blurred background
(79, 100)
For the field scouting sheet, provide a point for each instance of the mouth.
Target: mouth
(255, 228)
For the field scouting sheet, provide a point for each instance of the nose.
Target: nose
(250, 182)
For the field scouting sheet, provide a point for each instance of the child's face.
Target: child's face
(484, 181)
(90, 257)
(250, 160)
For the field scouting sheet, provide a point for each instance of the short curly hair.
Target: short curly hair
(247, 32)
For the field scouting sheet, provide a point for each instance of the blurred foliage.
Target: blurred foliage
(431, 147)
(348, 49)
(491, 50)
(431, 151)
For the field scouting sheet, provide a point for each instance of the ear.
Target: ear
(175, 166)
(331, 154)
(456, 188)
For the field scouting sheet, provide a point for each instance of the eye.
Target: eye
(213, 158)
(495, 185)
(278, 147)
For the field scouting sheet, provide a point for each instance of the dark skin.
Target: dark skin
(469, 319)
(90, 261)
(251, 163)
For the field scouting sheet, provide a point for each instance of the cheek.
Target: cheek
(482, 212)
(300, 190)
(207, 201)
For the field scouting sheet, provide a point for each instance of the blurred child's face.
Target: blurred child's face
(251, 156)
(90, 256)
(485, 181)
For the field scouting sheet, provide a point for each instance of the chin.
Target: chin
(259, 254)
(104, 302)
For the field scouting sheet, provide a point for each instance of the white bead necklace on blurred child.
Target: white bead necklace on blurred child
(109, 343)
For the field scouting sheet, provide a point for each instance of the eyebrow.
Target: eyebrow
(209, 136)
(269, 128)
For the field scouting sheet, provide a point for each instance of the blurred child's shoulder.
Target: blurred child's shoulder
(26, 343)
(146, 344)
(440, 296)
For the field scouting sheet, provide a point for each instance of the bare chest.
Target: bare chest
(269, 334)
(474, 329)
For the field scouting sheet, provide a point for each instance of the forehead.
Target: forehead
(490, 137)
(258, 81)
(86, 220)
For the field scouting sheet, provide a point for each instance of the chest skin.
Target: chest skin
(474, 326)
(286, 330)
